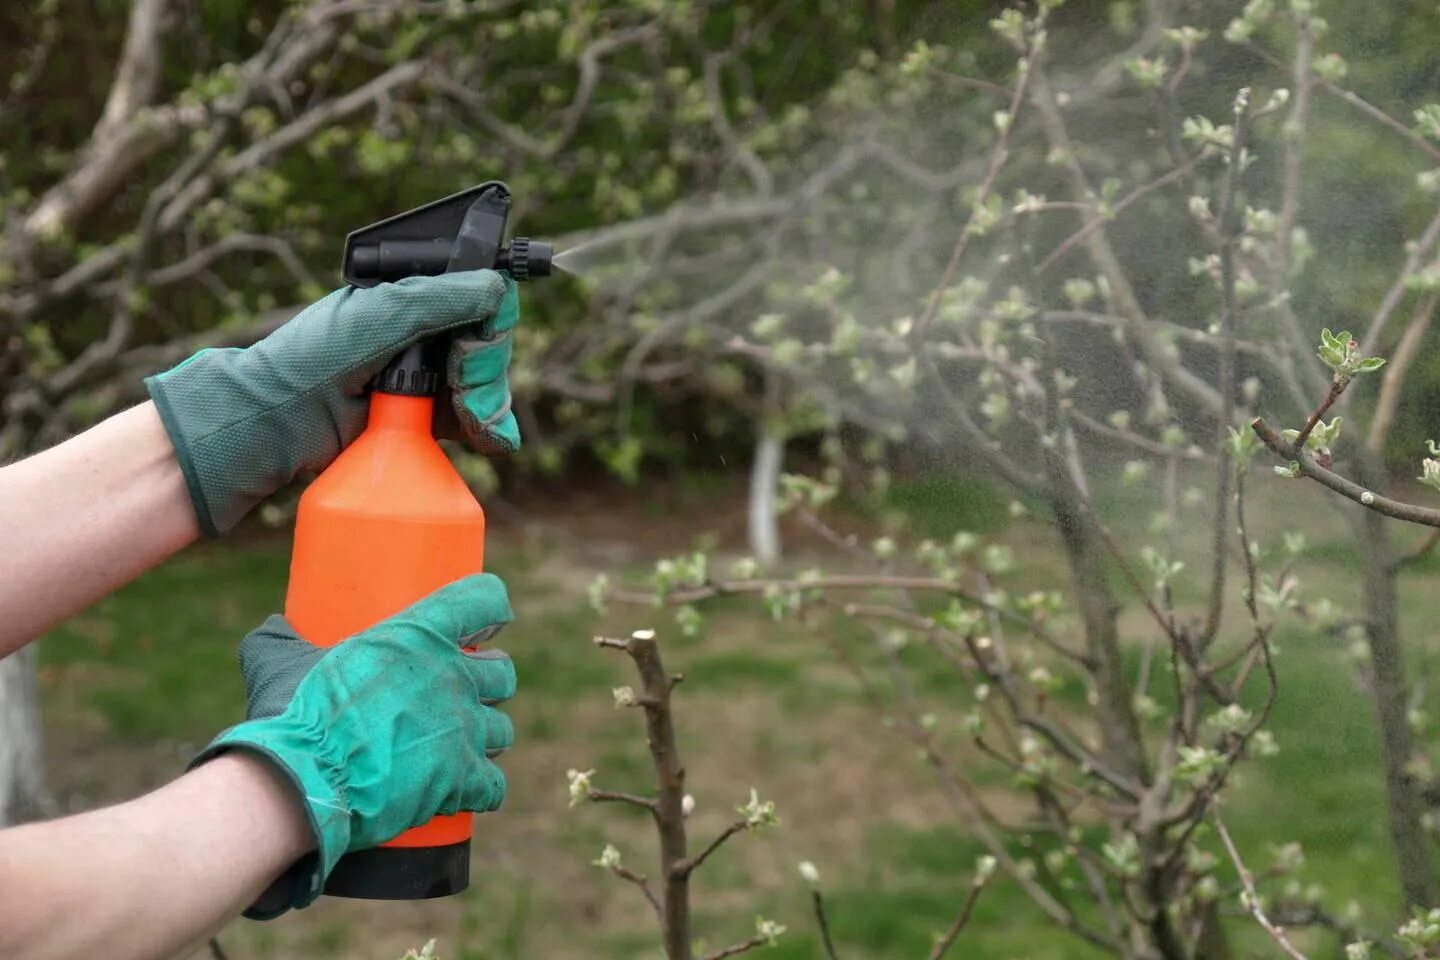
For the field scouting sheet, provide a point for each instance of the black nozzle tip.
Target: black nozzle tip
(526, 258)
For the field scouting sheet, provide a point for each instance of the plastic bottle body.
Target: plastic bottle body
(389, 522)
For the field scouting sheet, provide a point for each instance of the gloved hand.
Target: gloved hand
(382, 732)
(246, 421)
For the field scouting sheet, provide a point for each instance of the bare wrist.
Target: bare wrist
(275, 811)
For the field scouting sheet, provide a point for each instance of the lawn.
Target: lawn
(133, 686)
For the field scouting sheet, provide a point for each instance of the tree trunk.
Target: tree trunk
(1123, 746)
(764, 518)
(22, 752)
(1390, 691)
(764, 481)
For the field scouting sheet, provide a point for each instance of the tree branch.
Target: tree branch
(1306, 464)
(1392, 381)
(297, 131)
(1252, 898)
(735, 949)
(137, 76)
(617, 796)
(670, 774)
(1230, 229)
(817, 901)
(692, 864)
(640, 880)
(961, 919)
(1419, 250)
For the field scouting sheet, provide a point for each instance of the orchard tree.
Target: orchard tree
(1005, 354)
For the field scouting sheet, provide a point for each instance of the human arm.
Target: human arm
(85, 517)
(226, 428)
(342, 749)
(146, 878)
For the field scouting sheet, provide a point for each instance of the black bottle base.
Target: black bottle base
(401, 873)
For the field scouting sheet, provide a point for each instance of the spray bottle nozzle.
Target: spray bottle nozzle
(526, 258)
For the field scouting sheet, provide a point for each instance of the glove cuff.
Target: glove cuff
(323, 801)
(237, 436)
(160, 395)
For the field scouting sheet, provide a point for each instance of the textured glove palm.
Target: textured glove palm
(246, 421)
(384, 731)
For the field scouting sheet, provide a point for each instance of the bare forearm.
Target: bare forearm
(85, 517)
(149, 877)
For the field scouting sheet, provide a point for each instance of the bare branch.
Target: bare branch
(1251, 897)
(1361, 104)
(1090, 425)
(1230, 229)
(1392, 380)
(108, 162)
(648, 804)
(137, 76)
(1419, 251)
(640, 880)
(1420, 551)
(961, 919)
(817, 901)
(1294, 134)
(735, 949)
(1119, 206)
(999, 153)
(297, 131)
(1097, 243)
(692, 864)
(669, 807)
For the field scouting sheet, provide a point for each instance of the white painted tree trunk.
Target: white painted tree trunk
(764, 492)
(22, 751)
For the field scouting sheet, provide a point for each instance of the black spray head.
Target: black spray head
(461, 232)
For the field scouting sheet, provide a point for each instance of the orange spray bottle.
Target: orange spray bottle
(391, 520)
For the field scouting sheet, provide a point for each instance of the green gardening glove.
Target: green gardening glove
(244, 422)
(382, 732)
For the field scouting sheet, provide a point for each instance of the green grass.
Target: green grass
(167, 642)
(938, 503)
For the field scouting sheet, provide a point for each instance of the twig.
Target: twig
(1252, 898)
(1392, 381)
(817, 900)
(216, 951)
(1418, 252)
(998, 155)
(1294, 135)
(961, 919)
(1337, 387)
(1090, 425)
(1363, 105)
(735, 949)
(1229, 234)
(618, 796)
(1137, 324)
(1070, 242)
(641, 881)
(689, 866)
(1422, 549)
(971, 809)
(1425, 516)
(722, 588)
